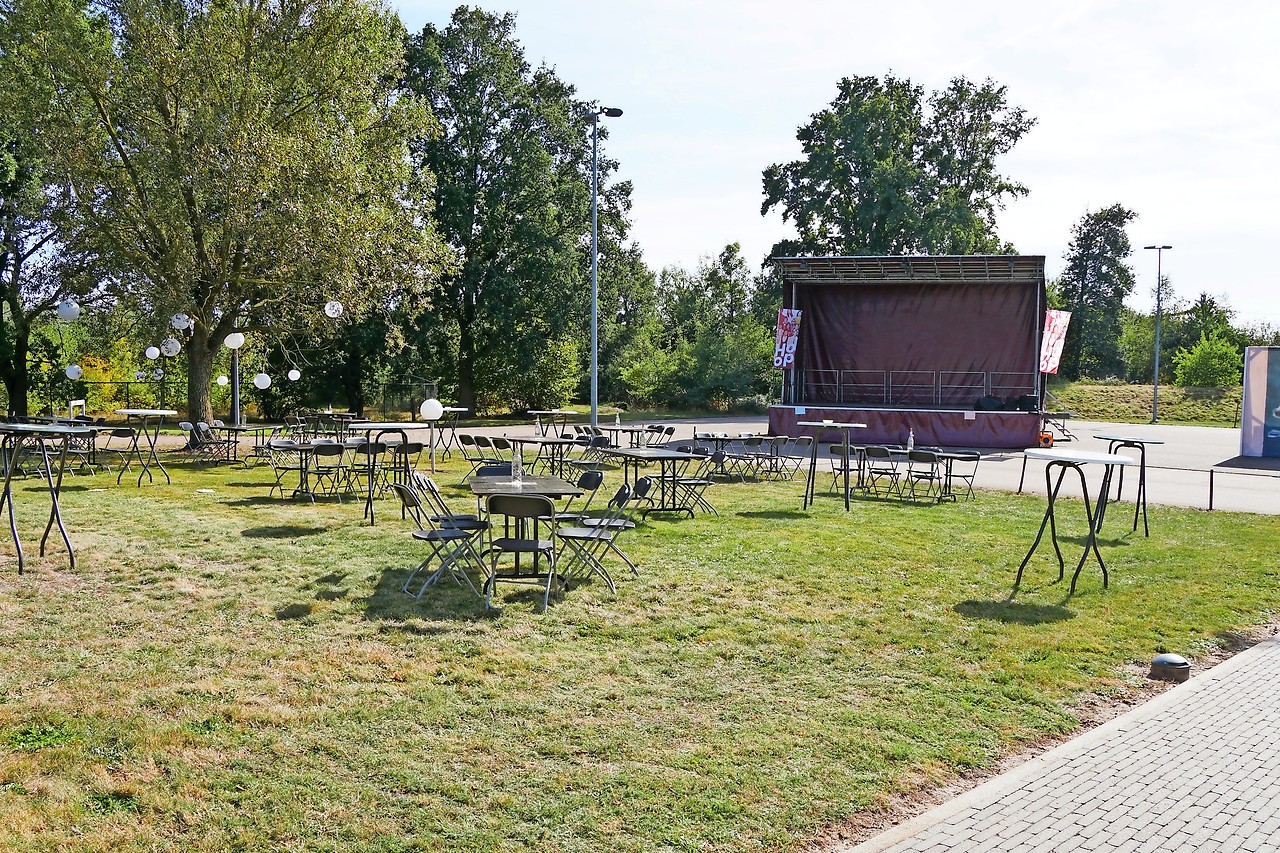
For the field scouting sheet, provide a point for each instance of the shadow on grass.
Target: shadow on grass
(259, 500)
(280, 531)
(293, 611)
(444, 602)
(1013, 612)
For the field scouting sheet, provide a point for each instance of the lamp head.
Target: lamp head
(611, 112)
(1157, 247)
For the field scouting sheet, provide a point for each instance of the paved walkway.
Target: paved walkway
(1194, 769)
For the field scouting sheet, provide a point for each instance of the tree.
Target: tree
(887, 172)
(1093, 288)
(1214, 362)
(513, 203)
(240, 162)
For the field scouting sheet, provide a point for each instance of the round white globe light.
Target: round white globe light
(333, 309)
(68, 309)
(431, 410)
(170, 347)
(295, 374)
(139, 375)
(262, 382)
(180, 321)
(223, 380)
(235, 340)
(74, 371)
(157, 374)
(152, 353)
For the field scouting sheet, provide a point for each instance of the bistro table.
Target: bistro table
(552, 450)
(813, 457)
(1120, 442)
(545, 420)
(259, 432)
(373, 433)
(634, 434)
(1064, 460)
(448, 425)
(671, 462)
(16, 437)
(151, 421)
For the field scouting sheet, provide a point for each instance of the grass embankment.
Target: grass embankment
(224, 671)
(1132, 403)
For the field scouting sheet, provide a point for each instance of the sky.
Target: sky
(1170, 108)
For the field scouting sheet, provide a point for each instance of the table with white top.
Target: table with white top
(15, 439)
(546, 420)
(373, 433)
(813, 456)
(1063, 460)
(1120, 442)
(150, 422)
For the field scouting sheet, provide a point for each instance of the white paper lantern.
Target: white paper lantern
(157, 374)
(68, 310)
(235, 340)
(262, 382)
(170, 347)
(295, 374)
(333, 309)
(139, 375)
(223, 380)
(431, 410)
(74, 372)
(152, 353)
(180, 321)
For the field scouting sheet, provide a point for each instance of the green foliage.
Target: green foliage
(1126, 403)
(1093, 288)
(234, 159)
(1214, 362)
(512, 164)
(886, 171)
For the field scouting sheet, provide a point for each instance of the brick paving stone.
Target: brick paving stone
(1192, 770)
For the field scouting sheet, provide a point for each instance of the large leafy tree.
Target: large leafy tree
(887, 171)
(513, 202)
(233, 160)
(1093, 288)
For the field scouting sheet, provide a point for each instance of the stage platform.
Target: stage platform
(933, 427)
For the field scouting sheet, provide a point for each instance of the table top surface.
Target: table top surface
(1132, 439)
(249, 427)
(374, 426)
(1079, 457)
(528, 485)
(146, 413)
(831, 424)
(455, 409)
(52, 430)
(545, 439)
(652, 453)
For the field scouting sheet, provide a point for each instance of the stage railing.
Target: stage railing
(951, 389)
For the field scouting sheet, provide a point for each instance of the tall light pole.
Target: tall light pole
(611, 112)
(1155, 394)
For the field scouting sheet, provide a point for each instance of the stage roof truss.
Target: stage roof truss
(912, 269)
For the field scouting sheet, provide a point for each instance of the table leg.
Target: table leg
(1092, 541)
(1050, 521)
(55, 509)
(846, 470)
(11, 448)
(813, 473)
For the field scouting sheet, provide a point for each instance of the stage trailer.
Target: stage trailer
(946, 345)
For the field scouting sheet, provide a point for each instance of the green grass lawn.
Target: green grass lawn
(224, 671)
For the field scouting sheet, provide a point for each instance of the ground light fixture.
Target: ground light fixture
(68, 310)
(1155, 392)
(611, 112)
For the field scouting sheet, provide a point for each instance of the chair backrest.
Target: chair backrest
(878, 452)
(412, 505)
(501, 470)
(521, 506)
(642, 487)
(327, 448)
(122, 432)
(589, 481)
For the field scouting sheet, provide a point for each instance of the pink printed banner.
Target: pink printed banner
(1055, 335)
(784, 350)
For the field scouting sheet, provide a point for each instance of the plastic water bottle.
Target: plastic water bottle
(517, 462)
(617, 418)
(911, 439)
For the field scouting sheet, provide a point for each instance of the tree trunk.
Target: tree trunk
(199, 376)
(466, 369)
(16, 381)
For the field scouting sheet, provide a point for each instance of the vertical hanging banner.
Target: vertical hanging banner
(784, 350)
(1055, 335)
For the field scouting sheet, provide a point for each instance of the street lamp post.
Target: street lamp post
(611, 112)
(1155, 393)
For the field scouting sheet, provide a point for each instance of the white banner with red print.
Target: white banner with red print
(1055, 335)
(784, 350)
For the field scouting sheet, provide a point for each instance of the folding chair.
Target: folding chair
(586, 545)
(470, 453)
(881, 466)
(692, 488)
(618, 516)
(452, 547)
(330, 467)
(438, 510)
(924, 470)
(521, 514)
(589, 483)
(285, 459)
(964, 467)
